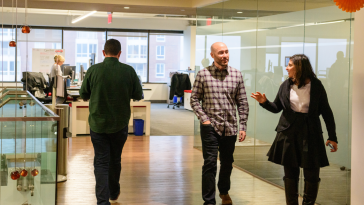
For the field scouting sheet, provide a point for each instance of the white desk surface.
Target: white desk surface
(74, 118)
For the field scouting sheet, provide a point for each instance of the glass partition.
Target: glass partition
(261, 35)
(28, 147)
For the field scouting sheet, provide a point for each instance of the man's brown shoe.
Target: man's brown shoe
(226, 200)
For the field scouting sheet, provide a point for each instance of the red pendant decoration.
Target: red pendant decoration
(24, 173)
(15, 175)
(349, 5)
(34, 172)
(25, 29)
(12, 44)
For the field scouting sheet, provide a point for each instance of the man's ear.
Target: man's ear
(103, 52)
(212, 55)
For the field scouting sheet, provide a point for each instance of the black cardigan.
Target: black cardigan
(319, 105)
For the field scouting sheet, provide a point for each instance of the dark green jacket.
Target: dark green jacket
(110, 86)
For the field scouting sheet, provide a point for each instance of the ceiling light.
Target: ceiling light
(83, 16)
(239, 12)
(182, 10)
(126, 7)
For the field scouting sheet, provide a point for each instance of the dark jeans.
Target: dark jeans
(212, 143)
(107, 163)
(310, 174)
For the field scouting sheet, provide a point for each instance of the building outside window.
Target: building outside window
(160, 53)
(165, 56)
(134, 47)
(56, 46)
(160, 70)
(79, 45)
(133, 51)
(161, 38)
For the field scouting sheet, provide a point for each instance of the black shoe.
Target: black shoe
(291, 190)
(310, 192)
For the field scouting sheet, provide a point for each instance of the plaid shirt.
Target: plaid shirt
(220, 91)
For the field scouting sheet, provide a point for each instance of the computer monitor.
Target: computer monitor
(62, 67)
(70, 70)
(82, 69)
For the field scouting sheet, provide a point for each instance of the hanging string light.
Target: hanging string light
(349, 5)
(12, 43)
(26, 29)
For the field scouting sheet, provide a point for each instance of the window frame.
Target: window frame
(42, 34)
(156, 70)
(160, 55)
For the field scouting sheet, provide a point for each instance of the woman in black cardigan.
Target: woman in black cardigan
(299, 141)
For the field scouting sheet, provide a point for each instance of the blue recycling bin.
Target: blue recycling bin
(138, 126)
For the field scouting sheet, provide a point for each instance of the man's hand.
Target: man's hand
(334, 144)
(206, 122)
(242, 135)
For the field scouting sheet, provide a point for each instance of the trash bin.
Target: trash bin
(138, 126)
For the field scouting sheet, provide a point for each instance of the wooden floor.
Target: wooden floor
(157, 170)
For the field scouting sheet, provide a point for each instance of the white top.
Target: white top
(55, 70)
(300, 98)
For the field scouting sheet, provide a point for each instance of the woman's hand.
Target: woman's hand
(334, 144)
(259, 97)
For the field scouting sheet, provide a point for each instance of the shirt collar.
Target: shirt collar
(109, 59)
(218, 70)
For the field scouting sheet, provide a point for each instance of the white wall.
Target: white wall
(189, 53)
(357, 177)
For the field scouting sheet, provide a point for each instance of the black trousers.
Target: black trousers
(212, 143)
(310, 174)
(107, 163)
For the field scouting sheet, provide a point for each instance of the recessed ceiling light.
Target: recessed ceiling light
(239, 12)
(126, 7)
(182, 10)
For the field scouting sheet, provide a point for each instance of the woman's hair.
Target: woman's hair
(303, 69)
(58, 58)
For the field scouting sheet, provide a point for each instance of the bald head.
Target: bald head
(217, 46)
(220, 54)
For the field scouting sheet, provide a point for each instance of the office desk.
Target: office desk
(79, 116)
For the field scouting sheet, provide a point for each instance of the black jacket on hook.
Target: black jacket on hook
(179, 83)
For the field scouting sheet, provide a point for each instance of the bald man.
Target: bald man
(217, 93)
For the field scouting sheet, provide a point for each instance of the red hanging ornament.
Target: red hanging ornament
(35, 172)
(24, 173)
(12, 44)
(349, 5)
(15, 175)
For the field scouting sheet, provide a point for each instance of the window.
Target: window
(160, 64)
(57, 34)
(160, 53)
(92, 49)
(39, 33)
(81, 50)
(56, 46)
(160, 71)
(78, 66)
(12, 68)
(143, 53)
(6, 47)
(5, 68)
(133, 51)
(39, 45)
(161, 38)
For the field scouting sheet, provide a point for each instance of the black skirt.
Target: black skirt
(299, 146)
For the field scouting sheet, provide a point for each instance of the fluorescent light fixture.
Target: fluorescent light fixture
(126, 7)
(239, 12)
(83, 16)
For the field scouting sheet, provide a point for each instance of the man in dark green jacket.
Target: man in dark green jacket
(109, 86)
